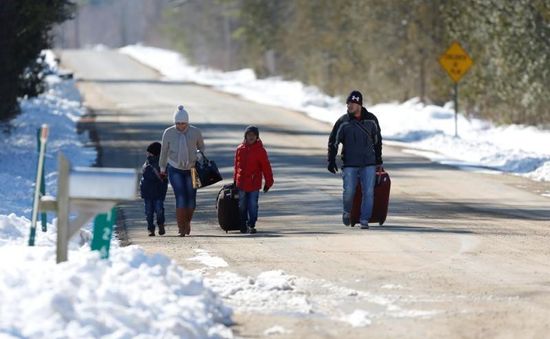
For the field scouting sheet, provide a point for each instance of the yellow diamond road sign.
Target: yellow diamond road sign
(456, 61)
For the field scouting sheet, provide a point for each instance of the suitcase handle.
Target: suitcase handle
(233, 187)
(379, 177)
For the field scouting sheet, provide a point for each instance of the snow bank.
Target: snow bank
(515, 149)
(60, 108)
(130, 295)
(271, 91)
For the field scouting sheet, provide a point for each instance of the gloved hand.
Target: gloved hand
(379, 168)
(266, 188)
(162, 175)
(332, 168)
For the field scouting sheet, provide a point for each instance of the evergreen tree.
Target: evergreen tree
(26, 26)
(389, 49)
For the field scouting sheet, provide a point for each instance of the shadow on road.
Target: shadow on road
(136, 81)
(299, 194)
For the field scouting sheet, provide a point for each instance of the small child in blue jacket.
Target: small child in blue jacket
(153, 187)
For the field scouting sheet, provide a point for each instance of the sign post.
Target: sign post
(456, 62)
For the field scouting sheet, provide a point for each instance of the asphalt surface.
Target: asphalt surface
(462, 253)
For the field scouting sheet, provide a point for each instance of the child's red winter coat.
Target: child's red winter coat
(251, 162)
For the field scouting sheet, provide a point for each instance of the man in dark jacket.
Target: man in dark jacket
(359, 133)
(153, 187)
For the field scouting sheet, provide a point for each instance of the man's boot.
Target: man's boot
(189, 215)
(181, 218)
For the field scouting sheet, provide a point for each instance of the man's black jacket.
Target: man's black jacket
(357, 144)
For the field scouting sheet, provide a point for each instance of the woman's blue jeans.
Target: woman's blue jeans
(365, 175)
(183, 187)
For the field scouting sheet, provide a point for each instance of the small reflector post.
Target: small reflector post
(44, 134)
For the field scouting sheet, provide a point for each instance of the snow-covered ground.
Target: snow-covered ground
(132, 294)
(428, 129)
(279, 293)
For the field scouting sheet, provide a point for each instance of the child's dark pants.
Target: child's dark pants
(152, 207)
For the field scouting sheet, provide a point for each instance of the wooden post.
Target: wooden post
(63, 209)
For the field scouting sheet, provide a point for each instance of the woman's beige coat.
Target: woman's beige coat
(170, 147)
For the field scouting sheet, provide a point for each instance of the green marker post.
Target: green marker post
(103, 231)
(40, 188)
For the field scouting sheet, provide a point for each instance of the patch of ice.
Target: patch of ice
(397, 312)
(359, 318)
(276, 330)
(206, 259)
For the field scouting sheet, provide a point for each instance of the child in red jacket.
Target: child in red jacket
(251, 162)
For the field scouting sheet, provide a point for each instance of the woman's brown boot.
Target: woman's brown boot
(181, 218)
(189, 214)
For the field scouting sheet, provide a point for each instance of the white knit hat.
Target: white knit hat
(181, 115)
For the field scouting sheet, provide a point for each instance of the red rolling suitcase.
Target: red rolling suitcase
(381, 200)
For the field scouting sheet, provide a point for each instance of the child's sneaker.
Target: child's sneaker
(162, 231)
(364, 225)
(151, 233)
(345, 219)
(251, 230)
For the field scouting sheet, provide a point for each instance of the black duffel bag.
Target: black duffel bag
(205, 173)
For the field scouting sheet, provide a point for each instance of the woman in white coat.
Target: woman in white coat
(177, 158)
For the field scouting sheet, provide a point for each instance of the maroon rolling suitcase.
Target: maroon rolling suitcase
(381, 200)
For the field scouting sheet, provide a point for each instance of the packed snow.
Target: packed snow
(132, 294)
(359, 318)
(276, 330)
(279, 293)
(516, 149)
(206, 259)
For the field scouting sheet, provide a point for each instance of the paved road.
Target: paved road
(462, 254)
